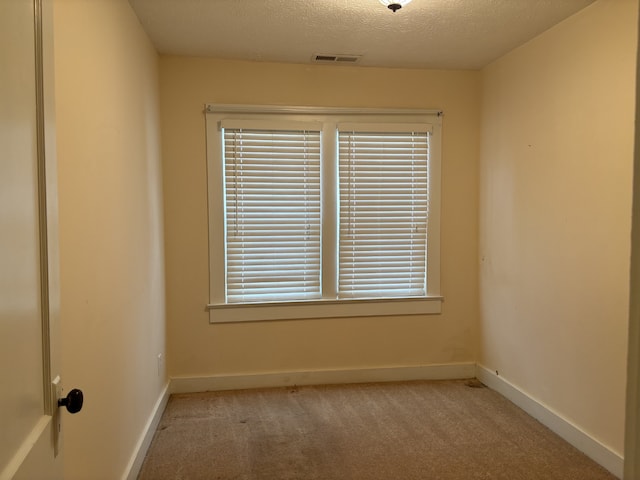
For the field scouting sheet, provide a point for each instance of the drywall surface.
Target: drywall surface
(632, 420)
(196, 347)
(112, 261)
(555, 216)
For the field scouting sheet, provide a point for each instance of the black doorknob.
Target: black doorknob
(73, 401)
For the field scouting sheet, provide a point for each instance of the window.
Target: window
(383, 210)
(322, 212)
(272, 194)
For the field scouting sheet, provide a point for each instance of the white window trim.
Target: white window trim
(221, 312)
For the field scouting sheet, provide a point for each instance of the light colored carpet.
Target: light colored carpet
(440, 430)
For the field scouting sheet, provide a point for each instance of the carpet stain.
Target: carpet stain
(475, 383)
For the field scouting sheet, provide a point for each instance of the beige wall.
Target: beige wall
(555, 206)
(632, 421)
(197, 348)
(112, 274)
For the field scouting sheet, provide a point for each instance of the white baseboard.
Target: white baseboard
(322, 377)
(135, 463)
(568, 431)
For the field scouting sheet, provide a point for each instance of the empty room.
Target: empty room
(287, 217)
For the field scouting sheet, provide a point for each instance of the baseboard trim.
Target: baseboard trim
(321, 377)
(135, 463)
(591, 447)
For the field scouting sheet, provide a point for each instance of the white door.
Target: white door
(28, 248)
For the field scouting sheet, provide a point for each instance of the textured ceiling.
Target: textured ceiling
(465, 34)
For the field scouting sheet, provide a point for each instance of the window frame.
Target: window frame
(329, 306)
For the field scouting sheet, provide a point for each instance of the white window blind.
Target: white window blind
(272, 208)
(383, 172)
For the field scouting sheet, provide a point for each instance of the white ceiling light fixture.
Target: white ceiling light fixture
(394, 5)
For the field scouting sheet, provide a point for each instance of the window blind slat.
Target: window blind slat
(388, 129)
(263, 127)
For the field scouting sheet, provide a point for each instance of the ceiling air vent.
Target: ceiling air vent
(327, 58)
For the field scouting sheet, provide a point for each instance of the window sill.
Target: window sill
(235, 313)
